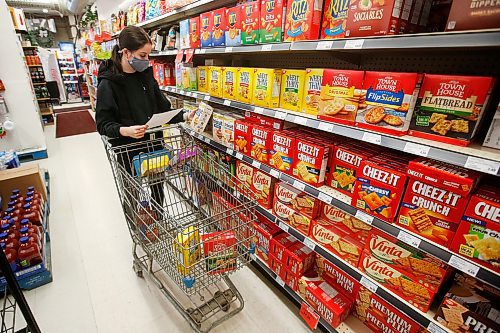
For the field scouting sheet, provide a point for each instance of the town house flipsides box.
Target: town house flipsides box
(297, 200)
(281, 154)
(310, 161)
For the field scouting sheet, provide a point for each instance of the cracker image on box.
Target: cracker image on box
(292, 89)
(312, 91)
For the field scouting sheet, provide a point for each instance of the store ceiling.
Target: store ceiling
(52, 7)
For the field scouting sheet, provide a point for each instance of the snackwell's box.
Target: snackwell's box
(194, 32)
(272, 19)
(244, 173)
(299, 259)
(264, 232)
(379, 187)
(473, 15)
(376, 18)
(312, 91)
(402, 283)
(297, 200)
(202, 78)
(263, 187)
(229, 82)
(250, 22)
(292, 89)
(266, 88)
(337, 278)
(233, 32)
(215, 81)
(244, 84)
(330, 304)
(296, 220)
(303, 20)
(261, 143)
(341, 95)
(310, 161)
(390, 100)
(219, 27)
(281, 154)
(280, 243)
(242, 136)
(206, 21)
(334, 19)
(478, 235)
(435, 199)
(346, 223)
(449, 108)
(336, 241)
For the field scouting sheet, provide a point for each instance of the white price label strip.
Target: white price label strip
(258, 109)
(325, 197)
(189, 94)
(417, 149)
(354, 44)
(463, 265)
(300, 120)
(239, 156)
(283, 226)
(275, 173)
(309, 243)
(372, 138)
(207, 140)
(409, 239)
(280, 281)
(228, 49)
(229, 151)
(435, 328)
(369, 284)
(362, 216)
(280, 115)
(202, 51)
(324, 45)
(267, 47)
(479, 164)
(206, 98)
(327, 127)
(256, 164)
(227, 102)
(301, 186)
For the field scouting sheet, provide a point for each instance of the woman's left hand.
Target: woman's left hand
(190, 115)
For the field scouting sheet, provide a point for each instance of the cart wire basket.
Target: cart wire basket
(190, 221)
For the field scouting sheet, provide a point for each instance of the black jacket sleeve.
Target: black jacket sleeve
(106, 113)
(164, 105)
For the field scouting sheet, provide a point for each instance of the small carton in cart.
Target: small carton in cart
(188, 250)
(242, 136)
(296, 220)
(299, 258)
(336, 277)
(264, 232)
(331, 305)
(219, 249)
(263, 187)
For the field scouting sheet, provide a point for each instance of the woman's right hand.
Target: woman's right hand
(136, 132)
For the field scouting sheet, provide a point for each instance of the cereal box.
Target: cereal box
(281, 154)
(277, 266)
(292, 89)
(280, 243)
(310, 161)
(261, 143)
(449, 108)
(435, 199)
(206, 21)
(266, 89)
(217, 123)
(478, 235)
(473, 15)
(337, 278)
(233, 32)
(244, 84)
(341, 95)
(202, 78)
(334, 19)
(336, 241)
(296, 220)
(215, 81)
(263, 187)
(272, 13)
(242, 136)
(229, 83)
(297, 200)
(184, 34)
(244, 173)
(330, 304)
(390, 99)
(379, 187)
(219, 249)
(250, 25)
(264, 232)
(373, 18)
(312, 91)
(346, 223)
(303, 20)
(219, 27)
(299, 259)
(194, 32)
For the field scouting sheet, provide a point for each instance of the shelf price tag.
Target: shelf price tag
(354, 44)
(202, 51)
(283, 226)
(267, 47)
(256, 164)
(417, 149)
(229, 151)
(300, 120)
(228, 49)
(258, 109)
(362, 216)
(324, 45)
(463, 265)
(368, 284)
(227, 102)
(280, 115)
(309, 243)
(325, 197)
(479, 164)
(309, 315)
(280, 281)
(435, 328)
(300, 185)
(409, 239)
(275, 173)
(372, 138)
(206, 98)
(207, 140)
(239, 156)
(327, 127)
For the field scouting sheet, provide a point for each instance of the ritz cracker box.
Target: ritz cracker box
(250, 22)
(303, 20)
(292, 89)
(194, 32)
(334, 19)
(233, 32)
(266, 88)
(206, 21)
(312, 91)
(219, 27)
(449, 108)
(272, 14)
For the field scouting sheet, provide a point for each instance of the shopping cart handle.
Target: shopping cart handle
(189, 281)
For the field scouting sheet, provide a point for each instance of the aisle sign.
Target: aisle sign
(309, 315)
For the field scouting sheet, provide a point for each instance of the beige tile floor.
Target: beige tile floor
(94, 287)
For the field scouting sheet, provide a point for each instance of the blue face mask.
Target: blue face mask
(139, 65)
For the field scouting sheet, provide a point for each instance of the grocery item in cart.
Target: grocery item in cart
(337, 278)
(202, 78)
(349, 224)
(233, 32)
(334, 20)
(266, 88)
(449, 108)
(303, 20)
(194, 32)
(215, 75)
(219, 27)
(206, 21)
(220, 252)
(145, 220)
(188, 249)
(263, 187)
(297, 200)
(229, 82)
(472, 15)
(250, 22)
(312, 91)
(330, 304)
(373, 18)
(310, 161)
(244, 84)
(292, 89)
(281, 154)
(272, 19)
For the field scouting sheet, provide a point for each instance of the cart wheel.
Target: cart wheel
(195, 316)
(138, 270)
(225, 306)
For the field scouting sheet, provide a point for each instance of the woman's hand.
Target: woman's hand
(190, 115)
(136, 132)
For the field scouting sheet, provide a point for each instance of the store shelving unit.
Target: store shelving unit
(69, 74)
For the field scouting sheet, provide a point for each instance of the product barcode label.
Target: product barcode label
(479, 164)
(409, 239)
(239, 156)
(369, 284)
(256, 164)
(324, 45)
(309, 243)
(258, 109)
(206, 98)
(297, 184)
(325, 197)
(280, 115)
(275, 173)
(280, 281)
(372, 138)
(435, 328)
(229, 151)
(362, 216)
(283, 226)
(300, 120)
(354, 44)
(227, 102)
(267, 47)
(417, 149)
(228, 49)
(463, 265)
(327, 127)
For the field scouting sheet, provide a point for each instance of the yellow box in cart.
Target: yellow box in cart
(202, 78)
(266, 89)
(244, 84)
(215, 81)
(292, 89)
(229, 82)
(188, 250)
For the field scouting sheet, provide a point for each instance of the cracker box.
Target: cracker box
(341, 95)
(242, 136)
(215, 81)
(187, 249)
(303, 20)
(390, 99)
(272, 14)
(280, 243)
(244, 173)
(337, 278)
(449, 108)
(336, 241)
(266, 88)
(379, 187)
(281, 154)
(261, 143)
(189, 78)
(297, 200)
(296, 220)
(478, 235)
(334, 19)
(277, 266)
(219, 249)
(263, 187)
(330, 304)
(299, 259)
(217, 123)
(244, 84)
(219, 27)
(493, 136)
(346, 223)
(403, 284)
(292, 89)
(312, 90)
(310, 161)
(229, 83)
(228, 129)
(206, 21)
(184, 34)
(435, 199)
(472, 15)
(233, 32)
(304, 281)
(194, 32)
(202, 78)
(375, 18)
(250, 22)
(265, 121)
(264, 232)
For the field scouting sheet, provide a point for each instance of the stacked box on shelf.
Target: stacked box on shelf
(346, 223)
(272, 20)
(264, 232)
(250, 22)
(303, 20)
(233, 32)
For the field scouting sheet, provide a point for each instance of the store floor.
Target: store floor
(94, 287)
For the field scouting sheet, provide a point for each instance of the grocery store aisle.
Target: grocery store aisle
(94, 287)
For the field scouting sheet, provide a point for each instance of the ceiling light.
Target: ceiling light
(45, 10)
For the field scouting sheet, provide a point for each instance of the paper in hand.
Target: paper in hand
(159, 119)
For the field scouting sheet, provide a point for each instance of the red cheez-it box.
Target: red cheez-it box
(310, 161)
(261, 143)
(331, 305)
(281, 154)
(242, 136)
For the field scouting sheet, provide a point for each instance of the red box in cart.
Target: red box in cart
(336, 277)
(303, 20)
(264, 232)
(281, 154)
(263, 186)
(297, 200)
(280, 243)
(261, 143)
(310, 161)
(194, 32)
(220, 251)
(286, 213)
(242, 136)
(330, 304)
(374, 18)
(299, 259)
(478, 235)
(349, 224)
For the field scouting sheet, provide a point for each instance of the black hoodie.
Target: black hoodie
(127, 100)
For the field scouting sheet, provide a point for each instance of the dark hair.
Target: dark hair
(131, 38)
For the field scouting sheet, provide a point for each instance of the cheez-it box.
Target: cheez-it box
(330, 304)
(263, 187)
(297, 200)
(299, 258)
(242, 136)
(261, 143)
(336, 277)
(310, 161)
(281, 154)
(280, 243)
(264, 232)
(346, 223)
(296, 220)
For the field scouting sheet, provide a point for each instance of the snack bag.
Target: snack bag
(292, 89)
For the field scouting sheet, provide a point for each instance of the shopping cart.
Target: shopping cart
(190, 221)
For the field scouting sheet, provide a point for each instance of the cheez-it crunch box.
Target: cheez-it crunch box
(281, 154)
(303, 19)
(310, 161)
(261, 143)
(242, 136)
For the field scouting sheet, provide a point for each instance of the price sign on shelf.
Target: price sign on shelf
(258, 109)
(283, 226)
(280, 281)
(227, 102)
(362, 216)
(372, 138)
(229, 151)
(327, 127)
(256, 164)
(300, 120)
(206, 98)
(354, 44)
(309, 315)
(463, 265)
(300, 185)
(435, 328)
(325, 197)
(409, 239)
(228, 49)
(369, 284)
(202, 51)
(267, 47)
(280, 115)
(309, 243)
(479, 164)
(275, 173)
(417, 149)
(324, 45)
(239, 156)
